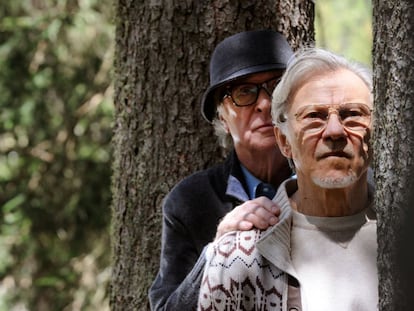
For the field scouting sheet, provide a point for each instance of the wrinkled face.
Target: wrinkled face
(328, 129)
(250, 126)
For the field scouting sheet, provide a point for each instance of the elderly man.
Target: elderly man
(244, 70)
(322, 253)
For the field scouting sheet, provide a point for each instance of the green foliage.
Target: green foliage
(345, 27)
(55, 132)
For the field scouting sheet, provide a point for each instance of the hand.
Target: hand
(259, 213)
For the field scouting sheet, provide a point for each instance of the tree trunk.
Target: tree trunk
(393, 145)
(161, 70)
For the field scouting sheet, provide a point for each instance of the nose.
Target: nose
(263, 101)
(334, 128)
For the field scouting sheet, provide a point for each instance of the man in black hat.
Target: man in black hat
(234, 195)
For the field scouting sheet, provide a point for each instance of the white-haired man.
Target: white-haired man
(322, 254)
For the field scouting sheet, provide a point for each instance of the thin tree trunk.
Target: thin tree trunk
(393, 144)
(161, 70)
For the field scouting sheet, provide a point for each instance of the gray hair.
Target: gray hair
(224, 138)
(303, 65)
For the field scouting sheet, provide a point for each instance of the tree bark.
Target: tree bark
(393, 144)
(161, 70)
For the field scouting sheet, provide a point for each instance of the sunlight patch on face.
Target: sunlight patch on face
(232, 113)
(232, 116)
(236, 139)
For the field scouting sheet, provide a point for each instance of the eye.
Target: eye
(315, 114)
(350, 113)
(245, 90)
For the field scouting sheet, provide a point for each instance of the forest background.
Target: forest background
(56, 118)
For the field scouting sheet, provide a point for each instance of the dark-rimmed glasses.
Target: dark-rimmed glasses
(246, 94)
(354, 116)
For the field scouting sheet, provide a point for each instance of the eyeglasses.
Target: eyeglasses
(353, 116)
(246, 94)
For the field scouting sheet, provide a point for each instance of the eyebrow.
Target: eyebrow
(345, 103)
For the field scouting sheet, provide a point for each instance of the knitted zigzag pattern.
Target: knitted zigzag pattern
(237, 277)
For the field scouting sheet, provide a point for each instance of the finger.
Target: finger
(264, 211)
(268, 204)
(260, 213)
(261, 220)
(244, 225)
(266, 215)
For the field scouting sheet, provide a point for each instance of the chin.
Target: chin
(335, 182)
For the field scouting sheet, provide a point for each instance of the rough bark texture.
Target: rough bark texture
(161, 70)
(393, 139)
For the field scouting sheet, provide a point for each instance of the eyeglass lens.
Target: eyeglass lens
(246, 94)
(353, 116)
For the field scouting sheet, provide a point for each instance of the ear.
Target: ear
(282, 142)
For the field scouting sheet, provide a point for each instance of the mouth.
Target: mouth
(265, 126)
(336, 154)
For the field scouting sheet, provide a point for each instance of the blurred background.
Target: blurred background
(55, 159)
(345, 27)
(56, 114)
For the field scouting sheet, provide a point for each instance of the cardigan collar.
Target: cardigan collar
(274, 244)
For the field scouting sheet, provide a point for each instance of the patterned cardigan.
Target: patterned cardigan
(248, 270)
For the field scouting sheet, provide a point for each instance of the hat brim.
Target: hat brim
(208, 106)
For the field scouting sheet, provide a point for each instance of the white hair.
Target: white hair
(303, 65)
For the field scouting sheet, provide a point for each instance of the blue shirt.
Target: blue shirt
(251, 182)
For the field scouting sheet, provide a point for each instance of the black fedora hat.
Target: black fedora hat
(242, 54)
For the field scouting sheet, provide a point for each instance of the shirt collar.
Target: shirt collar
(251, 181)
